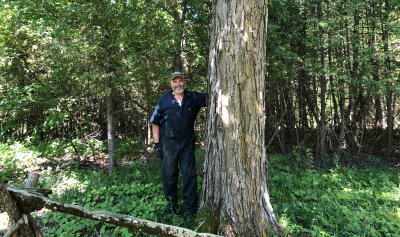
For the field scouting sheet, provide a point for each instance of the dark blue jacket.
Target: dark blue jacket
(177, 122)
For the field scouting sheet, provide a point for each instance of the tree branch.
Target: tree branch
(36, 202)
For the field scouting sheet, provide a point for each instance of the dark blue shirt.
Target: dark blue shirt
(177, 121)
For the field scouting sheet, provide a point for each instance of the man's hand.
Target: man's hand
(158, 150)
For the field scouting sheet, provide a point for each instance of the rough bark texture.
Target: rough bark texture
(30, 185)
(37, 202)
(14, 228)
(8, 204)
(235, 166)
(32, 180)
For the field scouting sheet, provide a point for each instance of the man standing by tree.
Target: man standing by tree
(174, 142)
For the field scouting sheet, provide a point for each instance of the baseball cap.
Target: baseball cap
(177, 74)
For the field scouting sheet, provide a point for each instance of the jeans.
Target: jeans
(174, 153)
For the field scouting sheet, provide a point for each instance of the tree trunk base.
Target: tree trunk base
(211, 226)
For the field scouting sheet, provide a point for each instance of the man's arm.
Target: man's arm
(156, 133)
(156, 139)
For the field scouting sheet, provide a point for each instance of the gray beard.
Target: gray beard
(178, 91)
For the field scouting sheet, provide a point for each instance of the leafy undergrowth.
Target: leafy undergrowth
(308, 201)
(356, 201)
(131, 190)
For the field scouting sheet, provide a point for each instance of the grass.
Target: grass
(308, 201)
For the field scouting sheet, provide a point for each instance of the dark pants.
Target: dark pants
(174, 153)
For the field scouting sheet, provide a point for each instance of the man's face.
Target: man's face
(178, 85)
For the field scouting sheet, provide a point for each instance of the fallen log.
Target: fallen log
(32, 201)
(14, 228)
(30, 186)
(9, 205)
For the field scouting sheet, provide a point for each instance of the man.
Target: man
(174, 142)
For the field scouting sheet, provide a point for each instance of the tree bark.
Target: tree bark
(14, 228)
(30, 184)
(375, 70)
(32, 180)
(389, 86)
(110, 133)
(282, 111)
(322, 123)
(8, 204)
(235, 165)
(353, 84)
(333, 93)
(179, 55)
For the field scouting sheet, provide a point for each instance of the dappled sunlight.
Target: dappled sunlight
(17, 156)
(283, 220)
(69, 181)
(226, 120)
(349, 200)
(393, 195)
(397, 214)
(4, 221)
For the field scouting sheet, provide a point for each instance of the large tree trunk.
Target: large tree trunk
(235, 166)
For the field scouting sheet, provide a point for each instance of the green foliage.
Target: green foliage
(59, 148)
(59, 60)
(128, 190)
(337, 202)
(295, 162)
(124, 148)
(356, 201)
(15, 161)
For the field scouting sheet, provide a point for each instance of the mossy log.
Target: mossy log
(32, 201)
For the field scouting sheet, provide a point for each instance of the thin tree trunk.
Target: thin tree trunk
(333, 93)
(138, 128)
(375, 75)
(179, 55)
(282, 117)
(110, 133)
(341, 95)
(322, 122)
(110, 73)
(389, 92)
(353, 85)
(235, 165)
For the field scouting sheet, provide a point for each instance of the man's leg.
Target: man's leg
(187, 163)
(169, 174)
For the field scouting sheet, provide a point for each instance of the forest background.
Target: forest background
(80, 79)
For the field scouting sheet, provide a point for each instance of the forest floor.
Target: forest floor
(354, 196)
